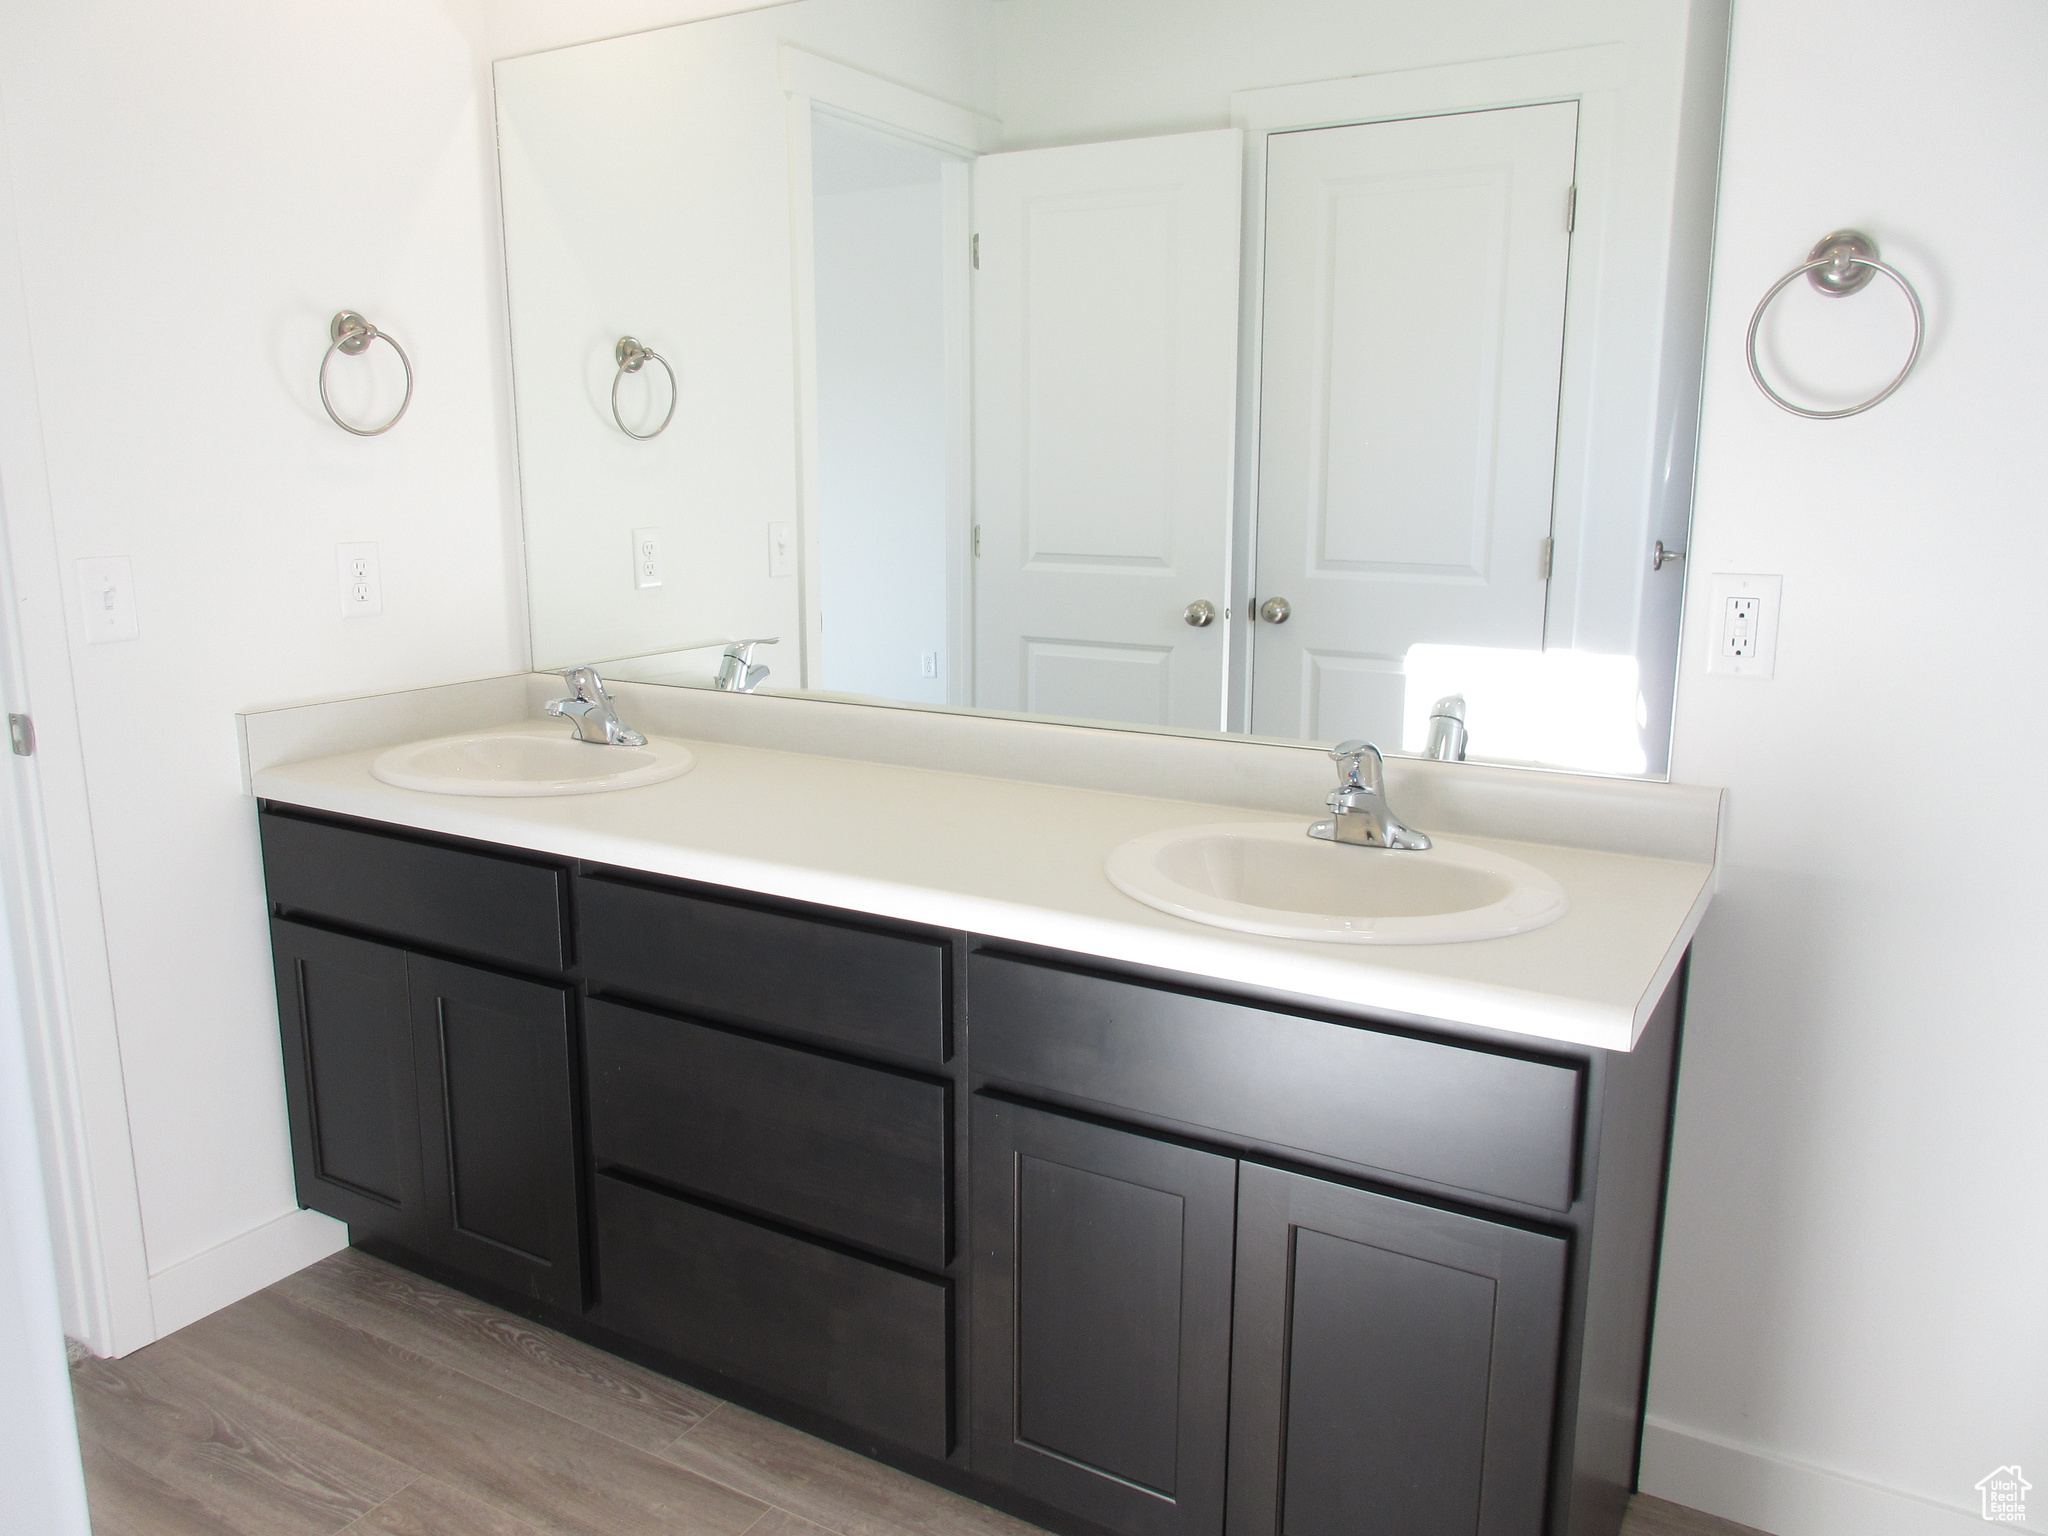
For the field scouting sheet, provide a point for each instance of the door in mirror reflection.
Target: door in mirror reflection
(1104, 416)
(1414, 312)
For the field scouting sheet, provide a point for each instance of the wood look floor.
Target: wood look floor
(357, 1397)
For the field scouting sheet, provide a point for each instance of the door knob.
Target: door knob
(1201, 613)
(1274, 610)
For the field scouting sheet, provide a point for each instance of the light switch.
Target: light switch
(106, 597)
(362, 588)
(646, 557)
(782, 549)
(1744, 613)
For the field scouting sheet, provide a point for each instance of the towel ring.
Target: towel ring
(353, 334)
(632, 358)
(1840, 265)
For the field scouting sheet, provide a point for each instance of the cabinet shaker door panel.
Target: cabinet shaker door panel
(1101, 1319)
(1394, 1365)
(497, 1129)
(348, 1066)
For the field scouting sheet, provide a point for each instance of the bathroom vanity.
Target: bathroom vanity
(1118, 1222)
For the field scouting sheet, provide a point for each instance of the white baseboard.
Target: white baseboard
(242, 1266)
(1790, 1498)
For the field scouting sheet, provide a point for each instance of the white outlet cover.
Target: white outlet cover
(362, 586)
(106, 600)
(1768, 592)
(646, 558)
(782, 549)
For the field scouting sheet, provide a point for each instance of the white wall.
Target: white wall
(198, 188)
(1854, 1318)
(878, 223)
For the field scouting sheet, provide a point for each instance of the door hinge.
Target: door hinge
(974, 250)
(21, 735)
(1571, 208)
(1543, 554)
(977, 541)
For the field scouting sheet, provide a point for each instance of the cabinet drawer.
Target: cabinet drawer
(450, 898)
(1491, 1124)
(783, 973)
(860, 1342)
(853, 1152)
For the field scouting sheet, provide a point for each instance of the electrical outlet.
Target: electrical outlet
(106, 599)
(927, 663)
(1738, 628)
(362, 589)
(1744, 613)
(646, 557)
(782, 549)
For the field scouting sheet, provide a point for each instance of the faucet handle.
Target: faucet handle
(743, 650)
(1352, 756)
(584, 684)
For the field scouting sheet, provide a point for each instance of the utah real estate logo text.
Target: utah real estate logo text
(2005, 1494)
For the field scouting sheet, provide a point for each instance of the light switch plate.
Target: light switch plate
(782, 549)
(362, 587)
(1742, 617)
(646, 557)
(106, 599)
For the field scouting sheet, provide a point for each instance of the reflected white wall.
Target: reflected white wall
(878, 230)
(1562, 709)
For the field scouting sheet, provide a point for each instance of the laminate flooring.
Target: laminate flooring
(357, 1397)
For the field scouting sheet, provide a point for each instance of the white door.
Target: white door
(1413, 332)
(1105, 375)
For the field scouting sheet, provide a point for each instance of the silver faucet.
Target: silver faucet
(736, 671)
(589, 708)
(1362, 815)
(1447, 738)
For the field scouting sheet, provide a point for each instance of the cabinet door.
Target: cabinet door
(1101, 1319)
(496, 1129)
(1393, 1365)
(348, 1072)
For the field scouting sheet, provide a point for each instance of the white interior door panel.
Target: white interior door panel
(1105, 409)
(1413, 322)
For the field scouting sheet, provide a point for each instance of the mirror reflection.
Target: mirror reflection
(1317, 369)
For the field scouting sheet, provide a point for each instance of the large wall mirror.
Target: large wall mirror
(1272, 366)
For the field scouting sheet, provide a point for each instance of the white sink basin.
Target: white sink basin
(514, 762)
(1273, 878)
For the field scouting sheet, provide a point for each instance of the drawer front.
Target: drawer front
(857, 1153)
(1494, 1125)
(859, 1342)
(780, 972)
(501, 909)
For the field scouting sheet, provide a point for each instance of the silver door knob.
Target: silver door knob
(1274, 610)
(1200, 614)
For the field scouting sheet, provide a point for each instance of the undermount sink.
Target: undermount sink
(1272, 878)
(514, 762)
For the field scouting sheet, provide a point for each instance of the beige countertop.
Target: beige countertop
(1021, 860)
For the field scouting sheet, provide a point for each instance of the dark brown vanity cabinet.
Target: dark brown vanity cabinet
(1102, 1319)
(1395, 1365)
(1120, 1251)
(431, 1101)
(1379, 1367)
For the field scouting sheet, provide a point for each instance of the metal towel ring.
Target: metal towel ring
(1840, 265)
(632, 358)
(353, 334)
